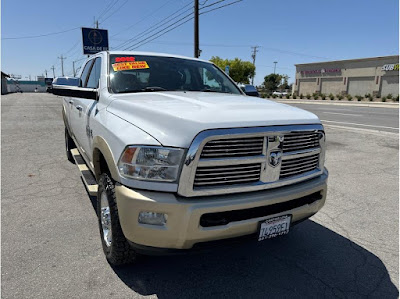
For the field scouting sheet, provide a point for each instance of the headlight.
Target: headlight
(150, 163)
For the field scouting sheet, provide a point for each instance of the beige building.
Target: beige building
(375, 76)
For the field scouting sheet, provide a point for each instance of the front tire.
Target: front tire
(115, 246)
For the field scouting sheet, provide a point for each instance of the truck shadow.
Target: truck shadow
(312, 261)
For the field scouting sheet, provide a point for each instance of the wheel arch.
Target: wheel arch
(103, 159)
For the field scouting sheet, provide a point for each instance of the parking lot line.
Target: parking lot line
(357, 124)
(343, 113)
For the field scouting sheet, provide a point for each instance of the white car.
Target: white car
(179, 157)
(278, 93)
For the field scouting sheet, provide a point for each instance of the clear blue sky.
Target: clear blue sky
(288, 31)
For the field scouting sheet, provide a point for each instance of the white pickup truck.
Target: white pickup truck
(180, 158)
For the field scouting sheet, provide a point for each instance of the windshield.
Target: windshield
(139, 73)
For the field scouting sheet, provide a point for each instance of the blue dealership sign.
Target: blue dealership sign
(94, 40)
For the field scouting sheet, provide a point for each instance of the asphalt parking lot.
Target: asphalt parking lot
(51, 248)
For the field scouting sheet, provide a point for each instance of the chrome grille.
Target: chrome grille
(300, 141)
(227, 175)
(236, 147)
(298, 166)
(224, 161)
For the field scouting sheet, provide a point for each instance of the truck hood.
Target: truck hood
(175, 118)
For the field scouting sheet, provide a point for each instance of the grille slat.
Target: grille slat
(290, 166)
(221, 175)
(235, 147)
(299, 141)
(226, 182)
(298, 166)
(199, 175)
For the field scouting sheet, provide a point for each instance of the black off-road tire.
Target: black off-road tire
(119, 252)
(69, 145)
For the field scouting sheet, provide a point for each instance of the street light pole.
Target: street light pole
(275, 62)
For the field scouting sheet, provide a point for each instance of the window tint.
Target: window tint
(93, 81)
(85, 72)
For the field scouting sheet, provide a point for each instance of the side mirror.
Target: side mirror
(70, 87)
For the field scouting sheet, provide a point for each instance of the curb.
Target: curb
(337, 103)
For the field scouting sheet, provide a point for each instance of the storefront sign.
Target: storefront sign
(94, 40)
(390, 67)
(321, 71)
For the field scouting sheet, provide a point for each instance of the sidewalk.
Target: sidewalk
(338, 103)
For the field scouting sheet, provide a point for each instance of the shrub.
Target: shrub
(301, 96)
(397, 99)
(389, 96)
(315, 96)
(384, 99)
(294, 96)
(308, 96)
(273, 96)
(280, 96)
(340, 97)
(359, 98)
(370, 98)
(323, 96)
(331, 96)
(349, 97)
(378, 96)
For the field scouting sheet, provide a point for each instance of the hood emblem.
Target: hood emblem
(275, 158)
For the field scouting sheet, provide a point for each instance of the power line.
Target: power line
(154, 27)
(107, 8)
(210, 10)
(41, 35)
(145, 18)
(144, 41)
(115, 11)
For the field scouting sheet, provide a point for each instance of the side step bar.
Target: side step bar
(87, 177)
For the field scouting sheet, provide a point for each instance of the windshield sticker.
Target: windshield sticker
(130, 65)
(123, 59)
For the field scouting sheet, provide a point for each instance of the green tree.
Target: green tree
(240, 71)
(285, 84)
(272, 81)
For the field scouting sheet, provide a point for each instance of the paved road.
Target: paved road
(51, 246)
(369, 118)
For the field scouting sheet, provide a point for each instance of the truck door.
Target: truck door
(84, 108)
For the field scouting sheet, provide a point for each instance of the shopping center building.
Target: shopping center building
(375, 76)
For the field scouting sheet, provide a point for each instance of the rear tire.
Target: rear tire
(69, 145)
(115, 246)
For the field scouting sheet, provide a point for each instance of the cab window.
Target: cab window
(93, 81)
(85, 72)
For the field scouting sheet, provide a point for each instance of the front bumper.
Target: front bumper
(183, 229)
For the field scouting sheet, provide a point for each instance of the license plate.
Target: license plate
(274, 227)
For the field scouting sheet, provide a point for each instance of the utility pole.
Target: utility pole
(73, 68)
(196, 29)
(253, 55)
(54, 74)
(62, 64)
(97, 24)
(275, 62)
(45, 71)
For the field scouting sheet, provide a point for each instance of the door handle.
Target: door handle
(79, 107)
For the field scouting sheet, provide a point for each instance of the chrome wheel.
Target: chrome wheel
(105, 218)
